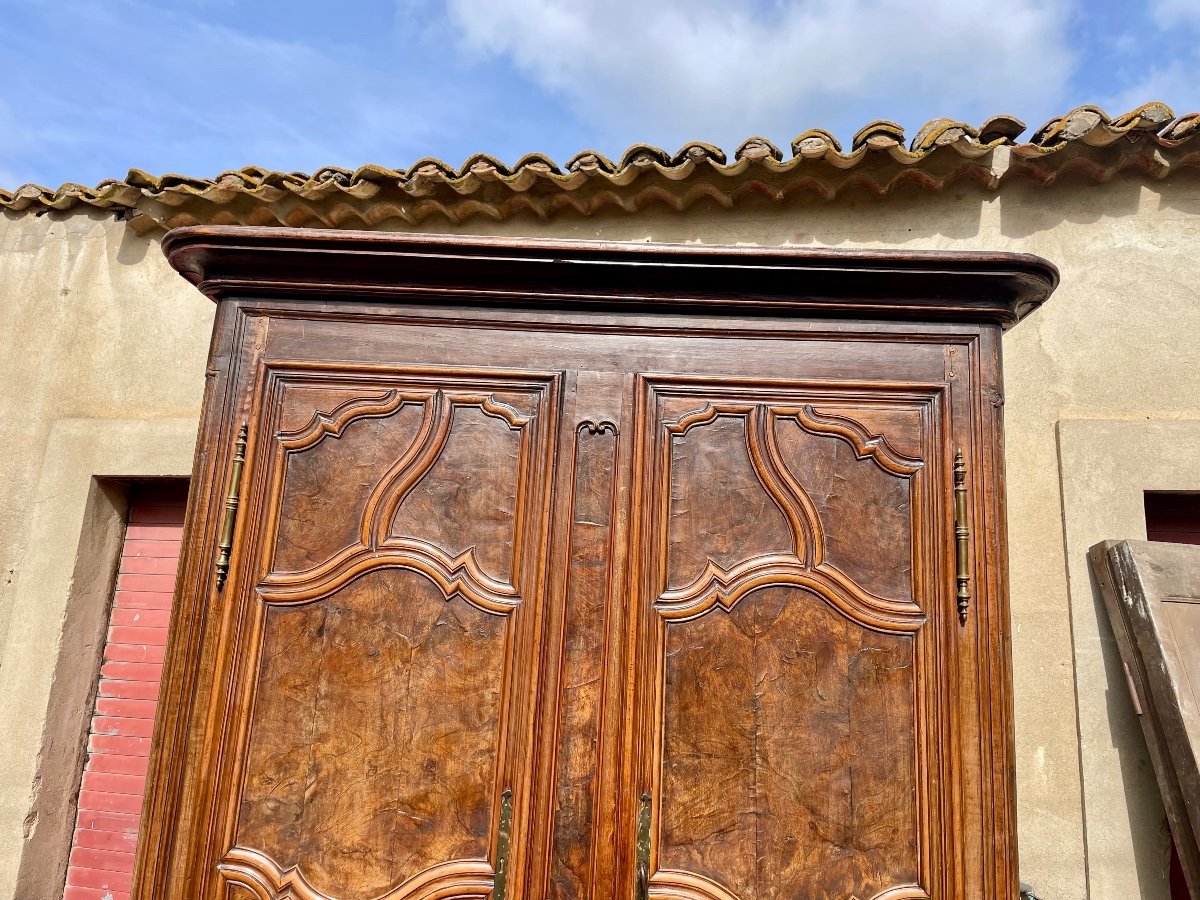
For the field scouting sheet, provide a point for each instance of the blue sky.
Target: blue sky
(92, 88)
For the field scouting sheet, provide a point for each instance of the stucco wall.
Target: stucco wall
(126, 340)
(102, 354)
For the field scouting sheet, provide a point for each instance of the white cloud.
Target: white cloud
(1168, 72)
(1168, 13)
(718, 70)
(1173, 84)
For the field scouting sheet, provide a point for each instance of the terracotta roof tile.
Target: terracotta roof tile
(1150, 140)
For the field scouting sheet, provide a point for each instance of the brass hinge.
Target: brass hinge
(643, 848)
(503, 844)
(962, 534)
(232, 498)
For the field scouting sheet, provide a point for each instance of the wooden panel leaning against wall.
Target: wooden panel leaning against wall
(589, 571)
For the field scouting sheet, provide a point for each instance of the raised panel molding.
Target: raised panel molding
(671, 884)
(454, 570)
(332, 424)
(262, 876)
(865, 444)
(804, 564)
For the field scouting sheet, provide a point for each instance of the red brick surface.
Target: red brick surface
(114, 778)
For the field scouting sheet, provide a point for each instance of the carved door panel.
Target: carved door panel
(788, 688)
(380, 697)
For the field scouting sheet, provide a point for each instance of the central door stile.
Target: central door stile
(639, 779)
(574, 835)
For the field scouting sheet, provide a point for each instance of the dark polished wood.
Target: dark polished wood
(618, 538)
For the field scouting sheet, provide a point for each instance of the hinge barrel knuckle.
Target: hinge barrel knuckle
(962, 538)
(232, 500)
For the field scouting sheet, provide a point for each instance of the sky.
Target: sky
(92, 88)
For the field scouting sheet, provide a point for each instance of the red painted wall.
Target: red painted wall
(114, 778)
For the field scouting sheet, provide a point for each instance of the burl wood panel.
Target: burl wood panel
(372, 766)
(462, 503)
(373, 751)
(788, 760)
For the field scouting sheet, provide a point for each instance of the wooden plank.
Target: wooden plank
(1152, 594)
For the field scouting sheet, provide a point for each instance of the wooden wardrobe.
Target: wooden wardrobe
(548, 569)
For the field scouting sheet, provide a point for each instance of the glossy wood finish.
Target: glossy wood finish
(587, 523)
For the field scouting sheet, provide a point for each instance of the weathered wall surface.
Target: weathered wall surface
(102, 356)
(1116, 343)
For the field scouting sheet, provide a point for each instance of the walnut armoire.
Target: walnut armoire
(549, 569)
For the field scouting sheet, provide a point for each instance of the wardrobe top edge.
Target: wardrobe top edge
(249, 261)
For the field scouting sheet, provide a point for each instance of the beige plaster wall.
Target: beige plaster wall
(1107, 465)
(101, 371)
(1115, 343)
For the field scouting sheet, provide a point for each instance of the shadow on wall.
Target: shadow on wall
(79, 220)
(965, 215)
(134, 247)
(1152, 851)
(1028, 209)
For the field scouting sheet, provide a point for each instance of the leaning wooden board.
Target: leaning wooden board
(533, 570)
(1152, 594)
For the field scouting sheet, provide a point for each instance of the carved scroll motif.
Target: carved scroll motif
(804, 563)
(593, 427)
(866, 445)
(258, 873)
(453, 570)
(332, 424)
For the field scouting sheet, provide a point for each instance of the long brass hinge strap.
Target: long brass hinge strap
(962, 536)
(232, 498)
(643, 848)
(503, 845)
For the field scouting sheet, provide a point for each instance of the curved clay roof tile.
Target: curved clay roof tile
(815, 142)
(757, 148)
(942, 131)
(590, 161)
(1001, 129)
(698, 151)
(590, 182)
(878, 135)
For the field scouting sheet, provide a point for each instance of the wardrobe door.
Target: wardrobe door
(793, 606)
(379, 635)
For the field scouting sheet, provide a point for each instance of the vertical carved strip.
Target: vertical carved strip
(583, 666)
(962, 534)
(503, 846)
(232, 497)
